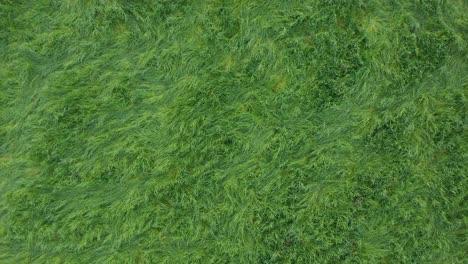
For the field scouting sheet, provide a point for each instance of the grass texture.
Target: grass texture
(233, 131)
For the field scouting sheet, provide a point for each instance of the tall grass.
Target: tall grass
(160, 131)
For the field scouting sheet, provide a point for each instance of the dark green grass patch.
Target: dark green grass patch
(215, 131)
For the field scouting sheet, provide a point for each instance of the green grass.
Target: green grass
(232, 131)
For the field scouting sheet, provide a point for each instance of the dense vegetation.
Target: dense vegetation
(232, 131)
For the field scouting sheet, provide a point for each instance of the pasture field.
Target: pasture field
(233, 131)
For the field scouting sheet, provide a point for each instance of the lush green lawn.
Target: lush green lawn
(211, 131)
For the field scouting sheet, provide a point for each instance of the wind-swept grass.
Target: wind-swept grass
(157, 131)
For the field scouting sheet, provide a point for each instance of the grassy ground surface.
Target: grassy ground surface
(177, 131)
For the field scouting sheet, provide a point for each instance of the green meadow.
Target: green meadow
(233, 131)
